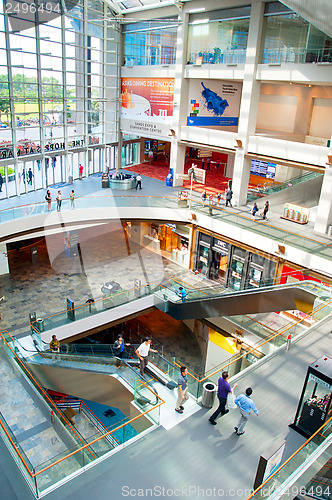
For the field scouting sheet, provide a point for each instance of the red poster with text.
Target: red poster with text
(147, 96)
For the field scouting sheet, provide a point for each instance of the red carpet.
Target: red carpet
(215, 181)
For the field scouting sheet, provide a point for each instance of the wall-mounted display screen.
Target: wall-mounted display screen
(263, 168)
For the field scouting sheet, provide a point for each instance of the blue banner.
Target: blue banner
(214, 121)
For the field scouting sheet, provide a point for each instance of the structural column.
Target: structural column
(4, 268)
(249, 105)
(324, 210)
(177, 156)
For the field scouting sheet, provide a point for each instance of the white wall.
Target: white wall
(321, 122)
(277, 112)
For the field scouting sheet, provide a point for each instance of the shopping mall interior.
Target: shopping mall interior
(165, 173)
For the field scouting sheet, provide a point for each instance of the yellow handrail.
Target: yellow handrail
(288, 459)
(62, 416)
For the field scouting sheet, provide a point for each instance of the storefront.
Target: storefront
(231, 265)
(170, 240)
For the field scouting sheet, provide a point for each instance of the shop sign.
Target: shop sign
(144, 128)
(32, 148)
(221, 246)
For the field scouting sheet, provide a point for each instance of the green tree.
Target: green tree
(4, 106)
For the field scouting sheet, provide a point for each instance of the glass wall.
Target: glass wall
(150, 43)
(220, 39)
(288, 38)
(60, 73)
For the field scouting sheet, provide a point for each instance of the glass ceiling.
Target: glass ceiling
(124, 5)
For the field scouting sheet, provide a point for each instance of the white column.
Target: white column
(177, 155)
(4, 268)
(249, 104)
(324, 210)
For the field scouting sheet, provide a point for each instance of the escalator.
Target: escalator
(211, 302)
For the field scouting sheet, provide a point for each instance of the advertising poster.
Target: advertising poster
(150, 98)
(213, 103)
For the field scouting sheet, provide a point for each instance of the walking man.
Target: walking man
(138, 182)
(142, 352)
(245, 404)
(223, 390)
(80, 172)
(229, 194)
(183, 393)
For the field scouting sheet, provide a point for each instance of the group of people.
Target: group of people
(228, 193)
(48, 198)
(255, 209)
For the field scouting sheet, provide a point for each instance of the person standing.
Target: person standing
(245, 404)
(59, 201)
(138, 182)
(208, 164)
(204, 196)
(211, 199)
(142, 352)
(48, 198)
(183, 294)
(1, 182)
(229, 194)
(72, 199)
(55, 348)
(183, 393)
(118, 349)
(223, 390)
(219, 197)
(218, 164)
(80, 171)
(203, 162)
(265, 210)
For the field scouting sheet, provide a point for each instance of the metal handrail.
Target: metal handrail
(82, 447)
(319, 431)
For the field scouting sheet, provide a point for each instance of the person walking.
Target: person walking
(48, 198)
(204, 196)
(183, 393)
(59, 201)
(183, 294)
(30, 175)
(138, 182)
(208, 164)
(245, 404)
(72, 199)
(1, 182)
(55, 348)
(203, 163)
(265, 210)
(80, 171)
(217, 164)
(223, 390)
(211, 199)
(142, 352)
(254, 211)
(219, 198)
(229, 194)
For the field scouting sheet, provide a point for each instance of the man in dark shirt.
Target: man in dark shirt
(223, 390)
(183, 393)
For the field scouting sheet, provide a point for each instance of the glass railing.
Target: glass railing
(227, 56)
(271, 188)
(79, 452)
(296, 55)
(247, 356)
(283, 480)
(303, 242)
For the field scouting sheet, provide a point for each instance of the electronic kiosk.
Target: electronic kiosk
(315, 403)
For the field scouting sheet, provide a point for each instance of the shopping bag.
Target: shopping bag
(230, 401)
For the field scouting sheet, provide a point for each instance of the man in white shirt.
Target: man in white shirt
(138, 182)
(142, 352)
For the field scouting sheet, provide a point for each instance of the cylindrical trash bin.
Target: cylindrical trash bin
(286, 212)
(209, 394)
(40, 324)
(329, 230)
